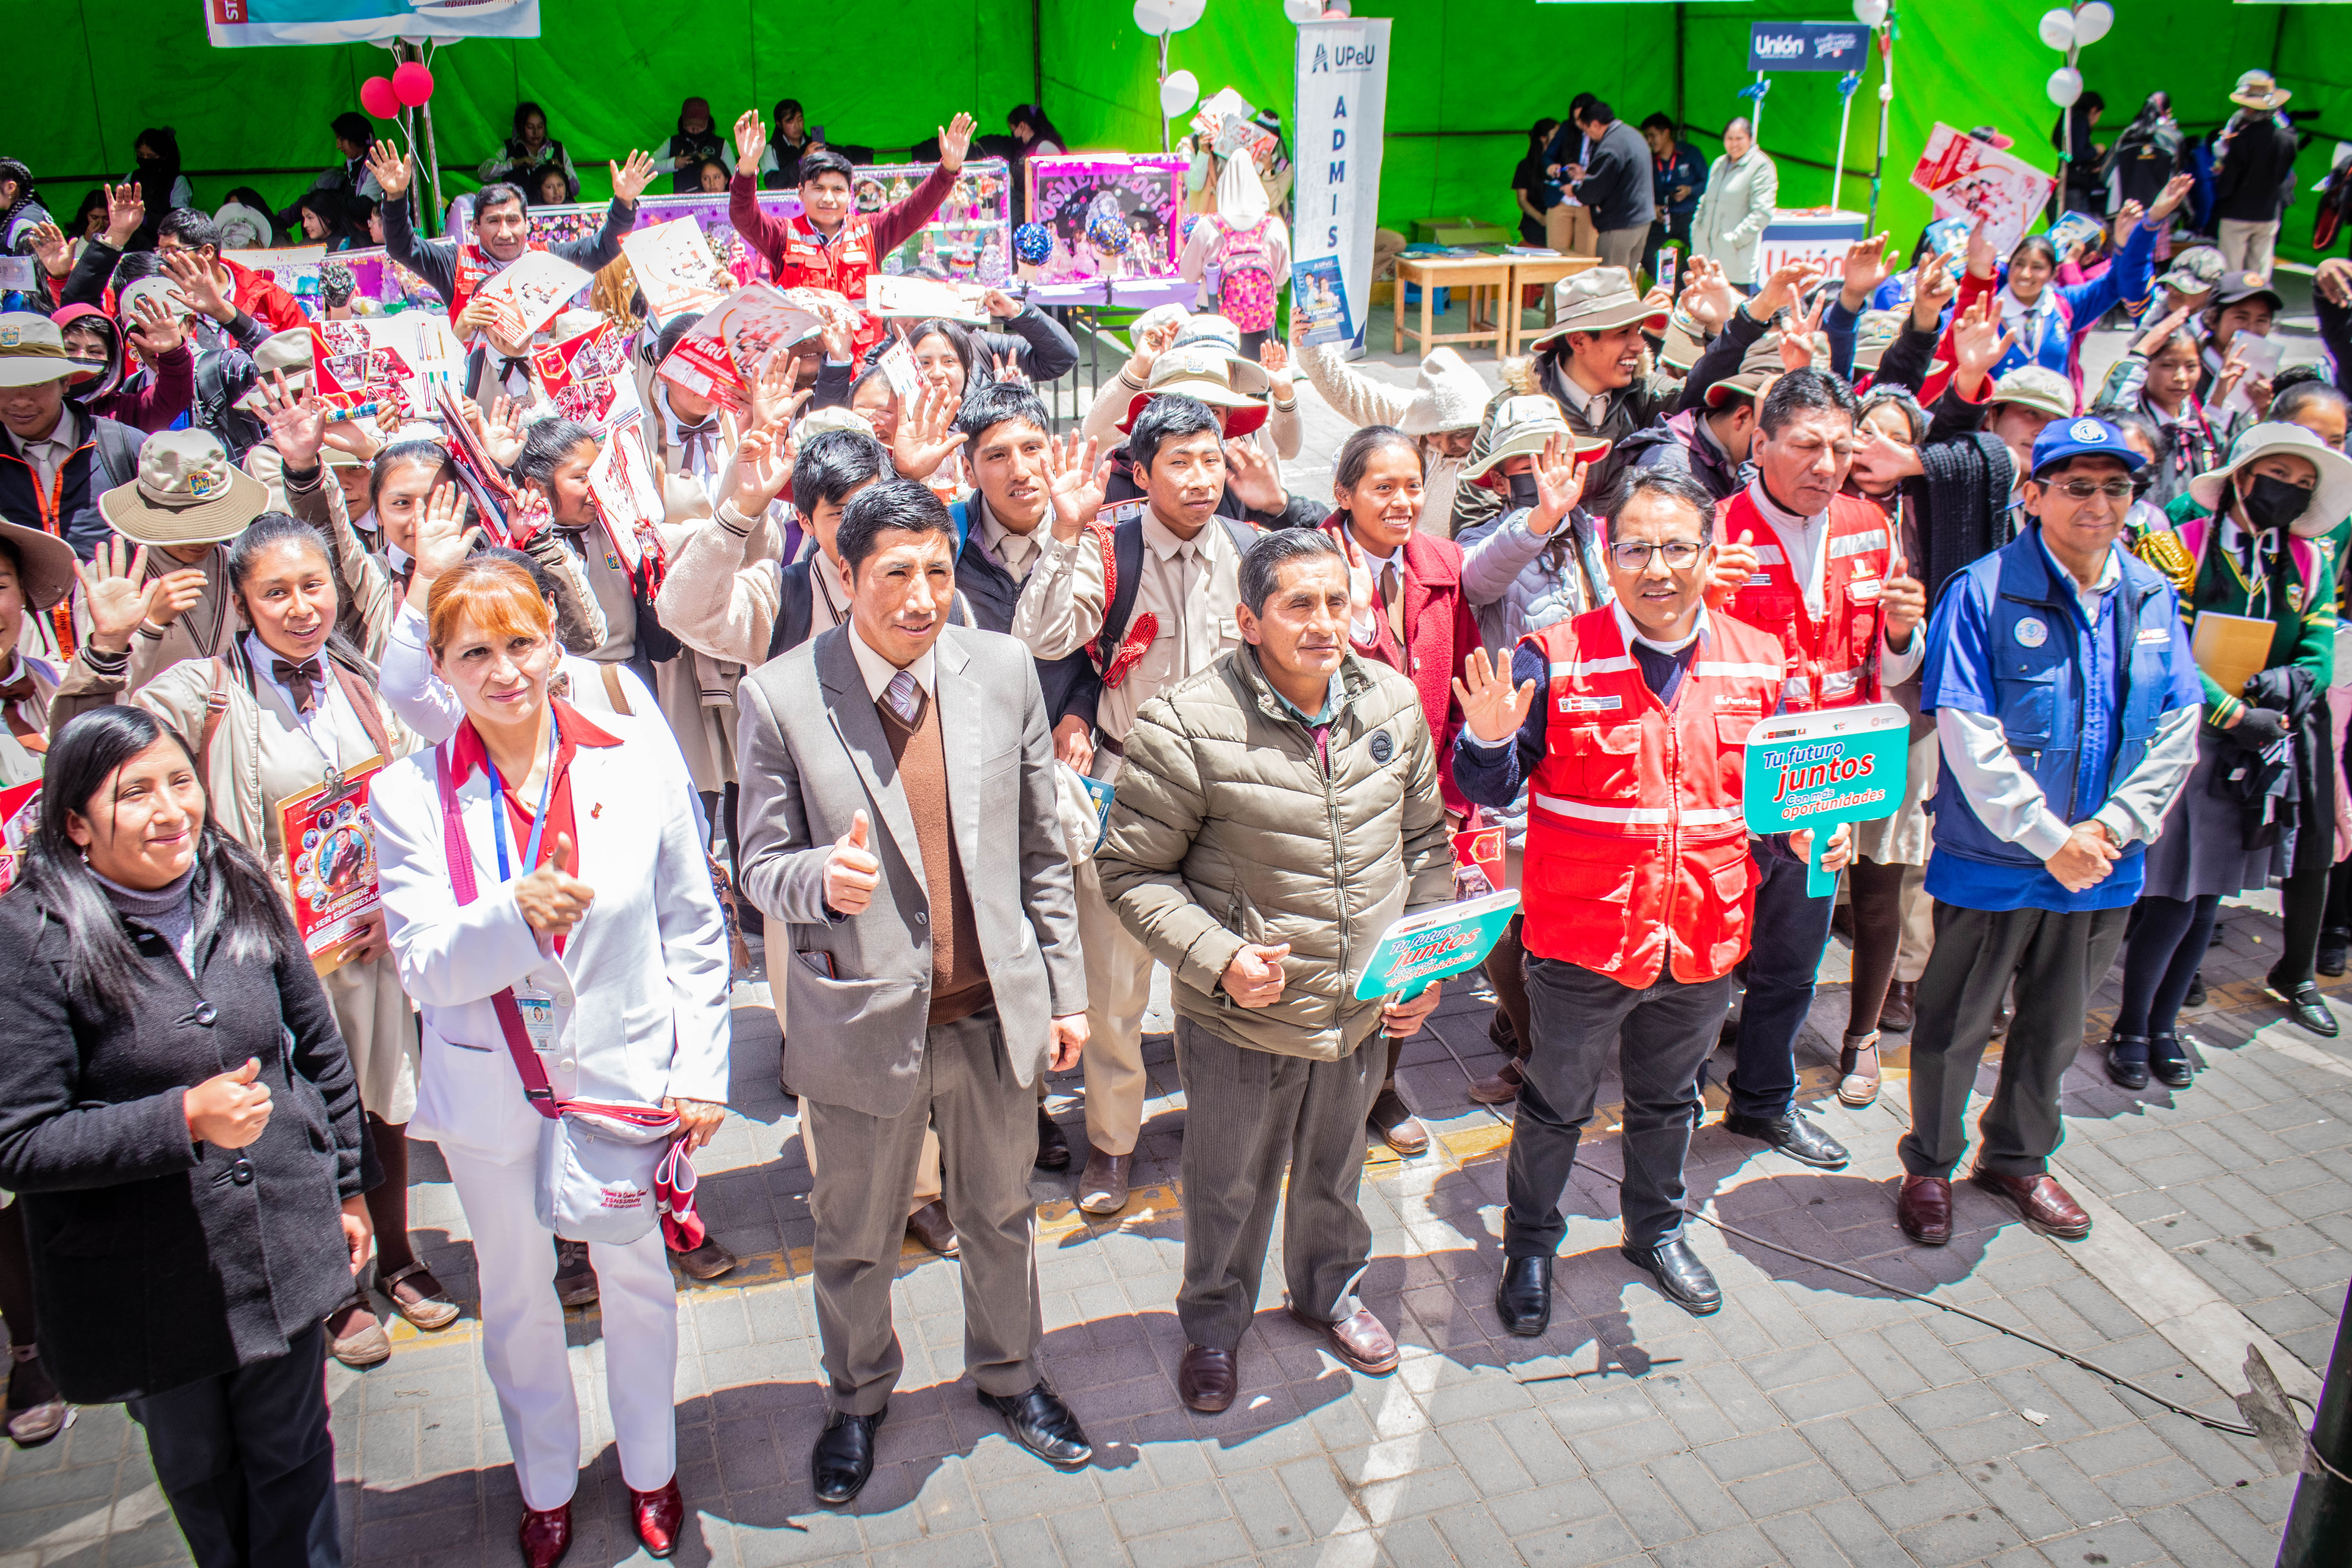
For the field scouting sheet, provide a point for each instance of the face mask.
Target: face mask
(2274, 503)
(1522, 489)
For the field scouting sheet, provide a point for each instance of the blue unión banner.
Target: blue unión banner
(1806, 45)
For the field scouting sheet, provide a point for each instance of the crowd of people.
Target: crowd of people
(859, 695)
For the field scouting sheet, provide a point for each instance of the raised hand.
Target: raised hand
(228, 1109)
(126, 210)
(1708, 297)
(1006, 367)
(1274, 355)
(1559, 484)
(1797, 342)
(1982, 258)
(772, 401)
(1786, 285)
(159, 330)
(630, 178)
(751, 141)
(852, 871)
(926, 436)
(391, 170)
(1251, 475)
(1148, 347)
(207, 287)
(1000, 304)
(1490, 708)
(551, 899)
(51, 249)
(955, 141)
(1978, 344)
(1076, 482)
(1932, 289)
(111, 586)
(441, 543)
(1254, 978)
(1865, 268)
(2127, 219)
(762, 472)
(297, 423)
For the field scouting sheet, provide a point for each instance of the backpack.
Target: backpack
(1121, 543)
(1246, 281)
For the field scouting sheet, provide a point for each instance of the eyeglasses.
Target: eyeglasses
(2083, 489)
(1633, 555)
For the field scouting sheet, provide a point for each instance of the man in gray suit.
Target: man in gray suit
(900, 833)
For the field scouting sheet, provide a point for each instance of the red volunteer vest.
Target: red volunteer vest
(1833, 662)
(475, 269)
(843, 266)
(1637, 854)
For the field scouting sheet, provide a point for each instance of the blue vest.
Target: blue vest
(2078, 703)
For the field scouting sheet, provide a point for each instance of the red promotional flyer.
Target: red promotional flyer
(20, 811)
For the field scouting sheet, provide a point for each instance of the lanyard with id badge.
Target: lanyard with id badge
(536, 1004)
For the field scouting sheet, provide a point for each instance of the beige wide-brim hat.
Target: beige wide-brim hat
(46, 565)
(2331, 503)
(1446, 396)
(286, 354)
(1597, 299)
(2037, 387)
(2259, 90)
(1248, 376)
(187, 492)
(820, 420)
(1527, 425)
(32, 351)
(1684, 343)
(1201, 370)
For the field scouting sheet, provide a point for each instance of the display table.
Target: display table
(1818, 235)
(1532, 271)
(1485, 278)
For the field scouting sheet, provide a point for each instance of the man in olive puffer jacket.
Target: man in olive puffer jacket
(1277, 812)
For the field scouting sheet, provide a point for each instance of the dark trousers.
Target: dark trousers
(1247, 1114)
(247, 1462)
(2057, 960)
(1788, 931)
(2164, 944)
(1661, 1033)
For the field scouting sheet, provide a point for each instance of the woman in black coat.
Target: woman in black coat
(181, 1125)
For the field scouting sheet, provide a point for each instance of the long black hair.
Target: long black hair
(1356, 455)
(231, 894)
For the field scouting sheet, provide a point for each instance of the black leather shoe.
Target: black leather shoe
(2333, 947)
(1685, 1280)
(2303, 1005)
(1041, 1423)
(843, 1455)
(2169, 1062)
(1052, 1147)
(2196, 997)
(1792, 1135)
(1523, 1295)
(2128, 1059)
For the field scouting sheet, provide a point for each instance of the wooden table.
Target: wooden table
(1484, 280)
(1527, 271)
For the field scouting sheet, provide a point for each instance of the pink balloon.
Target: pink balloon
(413, 83)
(377, 96)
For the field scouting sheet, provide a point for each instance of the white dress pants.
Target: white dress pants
(523, 1335)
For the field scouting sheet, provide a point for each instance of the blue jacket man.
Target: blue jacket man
(2066, 704)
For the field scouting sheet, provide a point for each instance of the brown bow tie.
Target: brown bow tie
(28, 730)
(302, 680)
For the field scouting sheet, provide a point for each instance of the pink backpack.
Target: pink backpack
(1245, 281)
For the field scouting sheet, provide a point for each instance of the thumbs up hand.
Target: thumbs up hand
(551, 899)
(1903, 601)
(852, 871)
(1734, 565)
(229, 1109)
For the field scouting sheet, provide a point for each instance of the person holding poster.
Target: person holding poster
(2066, 704)
(289, 735)
(1280, 1059)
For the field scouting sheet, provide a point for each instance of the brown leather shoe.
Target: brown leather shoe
(1102, 1185)
(712, 1260)
(546, 1535)
(1924, 1209)
(1500, 1090)
(575, 1277)
(1898, 1011)
(1359, 1338)
(1206, 1380)
(657, 1515)
(929, 1225)
(1397, 1127)
(2040, 1202)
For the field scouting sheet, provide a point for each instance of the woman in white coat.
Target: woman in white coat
(1728, 227)
(596, 914)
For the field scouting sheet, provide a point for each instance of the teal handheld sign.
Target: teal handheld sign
(1435, 943)
(1817, 769)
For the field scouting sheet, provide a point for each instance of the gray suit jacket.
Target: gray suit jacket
(811, 753)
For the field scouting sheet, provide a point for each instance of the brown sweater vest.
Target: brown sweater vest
(959, 974)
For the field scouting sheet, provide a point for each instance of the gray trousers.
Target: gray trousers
(1622, 246)
(1660, 1033)
(987, 1124)
(1247, 1114)
(2057, 961)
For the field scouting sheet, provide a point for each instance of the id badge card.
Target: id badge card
(538, 1010)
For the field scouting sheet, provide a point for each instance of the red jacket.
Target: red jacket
(1637, 858)
(264, 299)
(797, 261)
(1833, 662)
(1440, 631)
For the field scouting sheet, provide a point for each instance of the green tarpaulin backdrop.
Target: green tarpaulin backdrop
(1467, 77)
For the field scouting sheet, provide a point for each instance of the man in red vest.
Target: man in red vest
(832, 245)
(1820, 570)
(1637, 871)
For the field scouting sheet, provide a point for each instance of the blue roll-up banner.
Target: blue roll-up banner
(1806, 45)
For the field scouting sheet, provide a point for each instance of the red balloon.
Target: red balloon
(413, 83)
(377, 96)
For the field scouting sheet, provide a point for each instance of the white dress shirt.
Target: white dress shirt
(48, 453)
(879, 672)
(320, 722)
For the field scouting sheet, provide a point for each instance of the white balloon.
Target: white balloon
(2065, 86)
(2056, 27)
(1155, 16)
(2092, 22)
(1186, 12)
(1303, 10)
(1870, 12)
(1179, 93)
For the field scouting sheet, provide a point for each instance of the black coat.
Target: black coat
(1617, 184)
(2253, 178)
(158, 1261)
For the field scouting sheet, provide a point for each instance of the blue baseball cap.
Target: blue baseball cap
(2063, 438)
